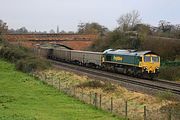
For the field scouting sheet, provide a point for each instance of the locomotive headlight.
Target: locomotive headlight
(145, 69)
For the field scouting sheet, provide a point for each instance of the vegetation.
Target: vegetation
(170, 73)
(129, 20)
(22, 57)
(3, 27)
(165, 95)
(106, 86)
(84, 88)
(92, 28)
(24, 98)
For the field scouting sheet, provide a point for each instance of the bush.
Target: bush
(23, 58)
(171, 63)
(165, 95)
(93, 84)
(109, 87)
(170, 73)
(172, 109)
(31, 64)
(12, 54)
(106, 86)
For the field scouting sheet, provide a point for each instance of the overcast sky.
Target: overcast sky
(44, 15)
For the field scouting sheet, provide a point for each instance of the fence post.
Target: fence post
(170, 113)
(111, 104)
(90, 97)
(145, 113)
(45, 80)
(82, 95)
(66, 86)
(52, 81)
(74, 92)
(126, 109)
(95, 99)
(100, 100)
(59, 86)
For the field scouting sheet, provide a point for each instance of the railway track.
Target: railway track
(160, 85)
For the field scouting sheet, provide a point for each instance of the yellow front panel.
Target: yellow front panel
(150, 66)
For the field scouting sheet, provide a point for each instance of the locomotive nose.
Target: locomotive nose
(152, 68)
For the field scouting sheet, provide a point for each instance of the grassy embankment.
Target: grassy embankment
(86, 87)
(24, 98)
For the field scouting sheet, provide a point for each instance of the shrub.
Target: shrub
(171, 63)
(165, 95)
(170, 73)
(109, 87)
(31, 64)
(23, 58)
(106, 86)
(12, 54)
(172, 109)
(93, 84)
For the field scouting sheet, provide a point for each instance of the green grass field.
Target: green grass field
(24, 98)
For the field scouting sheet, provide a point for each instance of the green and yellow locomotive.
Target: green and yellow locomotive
(141, 64)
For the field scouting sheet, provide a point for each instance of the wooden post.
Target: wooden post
(126, 109)
(144, 112)
(82, 94)
(59, 85)
(74, 92)
(111, 104)
(66, 86)
(170, 113)
(65, 89)
(100, 100)
(52, 81)
(90, 97)
(95, 99)
(45, 79)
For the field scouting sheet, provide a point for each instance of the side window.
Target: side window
(108, 57)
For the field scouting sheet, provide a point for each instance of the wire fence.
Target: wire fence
(126, 108)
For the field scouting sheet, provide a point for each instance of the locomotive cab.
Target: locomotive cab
(150, 64)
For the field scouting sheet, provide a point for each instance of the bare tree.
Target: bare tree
(92, 28)
(3, 27)
(165, 26)
(129, 20)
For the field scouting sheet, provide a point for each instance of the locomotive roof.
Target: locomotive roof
(128, 52)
